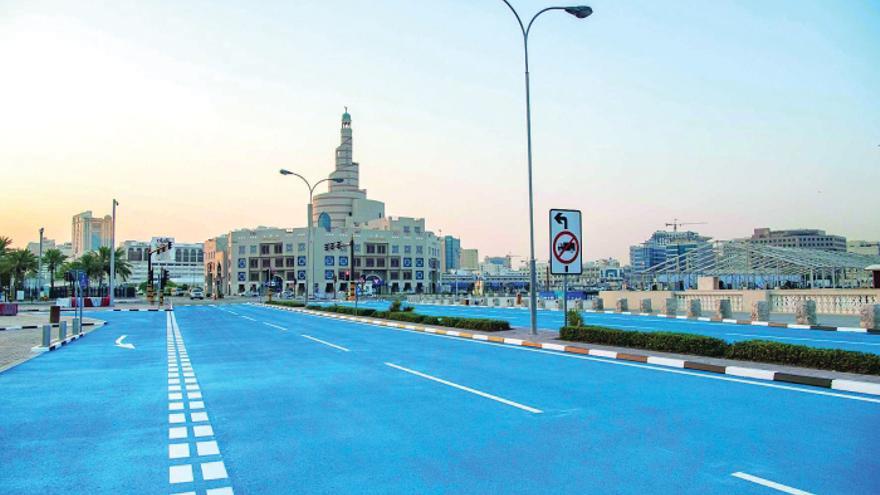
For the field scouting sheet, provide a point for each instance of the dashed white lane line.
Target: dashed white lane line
(325, 343)
(274, 326)
(248, 318)
(467, 389)
(769, 484)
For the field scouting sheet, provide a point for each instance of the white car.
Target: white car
(196, 294)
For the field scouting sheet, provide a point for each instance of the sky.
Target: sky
(739, 114)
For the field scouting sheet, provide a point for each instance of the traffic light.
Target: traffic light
(164, 277)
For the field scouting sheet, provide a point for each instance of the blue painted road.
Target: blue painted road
(305, 404)
(548, 319)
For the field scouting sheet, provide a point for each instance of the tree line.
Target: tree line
(17, 265)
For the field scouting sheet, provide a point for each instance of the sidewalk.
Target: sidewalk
(15, 345)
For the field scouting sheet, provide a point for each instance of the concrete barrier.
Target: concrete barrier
(761, 311)
(671, 306)
(598, 304)
(870, 316)
(806, 313)
(695, 309)
(645, 306)
(622, 304)
(724, 310)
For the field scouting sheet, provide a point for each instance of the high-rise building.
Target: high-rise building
(451, 253)
(470, 259)
(798, 238)
(663, 246)
(89, 233)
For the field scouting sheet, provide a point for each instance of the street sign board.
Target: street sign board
(81, 278)
(566, 246)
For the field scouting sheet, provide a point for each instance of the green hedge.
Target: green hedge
(765, 351)
(409, 316)
(656, 341)
(760, 351)
(289, 304)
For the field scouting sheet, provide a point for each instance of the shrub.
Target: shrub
(574, 318)
(657, 341)
(289, 304)
(395, 306)
(766, 351)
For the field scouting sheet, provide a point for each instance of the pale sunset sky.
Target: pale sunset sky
(740, 114)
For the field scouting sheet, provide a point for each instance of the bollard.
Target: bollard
(622, 304)
(870, 316)
(671, 306)
(645, 306)
(760, 311)
(47, 335)
(695, 309)
(77, 326)
(62, 331)
(724, 310)
(806, 313)
(598, 304)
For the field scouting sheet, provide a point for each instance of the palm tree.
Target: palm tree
(91, 264)
(122, 268)
(5, 242)
(53, 258)
(19, 262)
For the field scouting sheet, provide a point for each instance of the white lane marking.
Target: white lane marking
(124, 346)
(325, 342)
(769, 484)
(232, 313)
(274, 326)
(801, 338)
(248, 318)
(477, 340)
(467, 389)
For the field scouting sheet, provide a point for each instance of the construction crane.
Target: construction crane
(675, 224)
(510, 257)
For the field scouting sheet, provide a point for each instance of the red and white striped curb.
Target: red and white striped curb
(745, 372)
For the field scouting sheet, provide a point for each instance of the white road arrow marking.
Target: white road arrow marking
(124, 346)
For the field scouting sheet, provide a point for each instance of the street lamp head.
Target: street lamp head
(580, 11)
(338, 180)
(284, 171)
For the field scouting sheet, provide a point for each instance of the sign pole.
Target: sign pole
(565, 298)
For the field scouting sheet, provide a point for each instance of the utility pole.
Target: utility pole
(40, 267)
(113, 255)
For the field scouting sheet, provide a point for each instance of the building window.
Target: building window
(357, 248)
(371, 263)
(254, 263)
(343, 261)
(418, 230)
(300, 261)
(279, 262)
(395, 262)
(329, 261)
(395, 249)
(406, 229)
(407, 249)
(301, 247)
(253, 249)
(420, 262)
(301, 274)
(419, 250)
(381, 249)
(241, 250)
(242, 262)
(264, 249)
(357, 262)
(407, 275)
(394, 275)
(289, 262)
(288, 248)
(255, 277)
(278, 248)
(407, 262)
(371, 249)
(380, 263)
(291, 276)
(328, 274)
(420, 275)
(265, 263)
(241, 276)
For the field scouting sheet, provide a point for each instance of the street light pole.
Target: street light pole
(113, 255)
(40, 267)
(580, 12)
(310, 258)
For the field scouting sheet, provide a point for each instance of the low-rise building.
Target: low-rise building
(798, 238)
(869, 248)
(184, 261)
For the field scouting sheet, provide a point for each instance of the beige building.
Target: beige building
(870, 248)
(470, 259)
(89, 233)
(798, 238)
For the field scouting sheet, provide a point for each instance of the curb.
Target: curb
(142, 309)
(738, 371)
(58, 344)
(54, 325)
(705, 319)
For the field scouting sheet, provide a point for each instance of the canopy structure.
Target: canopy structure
(746, 263)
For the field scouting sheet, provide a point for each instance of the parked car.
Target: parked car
(196, 294)
(287, 294)
(177, 291)
(248, 293)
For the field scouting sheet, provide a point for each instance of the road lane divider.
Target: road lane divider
(248, 318)
(467, 389)
(769, 484)
(847, 385)
(274, 326)
(325, 343)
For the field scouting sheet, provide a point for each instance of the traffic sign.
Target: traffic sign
(566, 246)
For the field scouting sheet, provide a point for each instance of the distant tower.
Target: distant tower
(341, 200)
